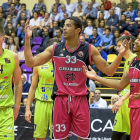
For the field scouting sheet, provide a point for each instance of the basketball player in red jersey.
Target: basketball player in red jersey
(132, 77)
(71, 111)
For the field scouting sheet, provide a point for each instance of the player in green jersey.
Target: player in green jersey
(9, 67)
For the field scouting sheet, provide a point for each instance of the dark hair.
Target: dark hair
(23, 4)
(2, 32)
(77, 22)
(130, 4)
(116, 31)
(58, 29)
(94, 28)
(107, 28)
(80, 5)
(51, 41)
(35, 12)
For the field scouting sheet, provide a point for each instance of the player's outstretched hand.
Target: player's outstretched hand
(28, 31)
(117, 106)
(125, 46)
(15, 111)
(28, 116)
(90, 74)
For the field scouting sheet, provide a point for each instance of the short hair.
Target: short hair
(23, 4)
(130, 4)
(2, 32)
(51, 41)
(35, 12)
(77, 22)
(94, 28)
(80, 5)
(58, 29)
(62, 5)
(107, 28)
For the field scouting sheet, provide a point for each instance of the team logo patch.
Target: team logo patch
(7, 60)
(80, 54)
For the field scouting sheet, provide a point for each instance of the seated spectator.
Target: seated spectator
(100, 102)
(114, 99)
(11, 19)
(59, 35)
(53, 30)
(69, 6)
(94, 39)
(16, 39)
(54, 16)
(104, 56)
(122, 5)
(17, 5)
(23, 9)
(35, 24)
(25, 101)
(2, 20)
(105, 12)
(116, 9)
(25, 86)
(92, 85)
(101, 28)
(38, 6)
(92, 98)
(6, 6)
(11, 45)
(79, 11)
(135, 4)
(12, 10)
(63, 11)
(122, 21)
(113, 20)
(63, 21)
(107, 4)
(136, 12)
(80, 2)
(23, 17)
(90, 12)
(41, 14)
(137, 20)
(95, 4)
(82, 38)
(57, 4)
(106, 41)
(130, 27)
(2, 11)
(129, 12)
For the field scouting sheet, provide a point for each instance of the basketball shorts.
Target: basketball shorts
(6, 124)
(71, 117)
(42, 119)
(122, 119)
(135, 123)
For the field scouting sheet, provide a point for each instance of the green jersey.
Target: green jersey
(7, 66)
(126, 67)
(45, 83)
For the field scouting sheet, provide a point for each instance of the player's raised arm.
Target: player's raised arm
(38, 59)
(117, 84)
(102, 65)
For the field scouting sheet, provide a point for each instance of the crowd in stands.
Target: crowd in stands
(102, 23)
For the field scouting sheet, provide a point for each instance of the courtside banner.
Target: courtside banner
(101, 120)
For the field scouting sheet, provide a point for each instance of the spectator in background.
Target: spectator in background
(136, 12)
(25, 101)
(35, 24)
(38, 6)
(92, 98)
(69, 6)
(11, 45)
(106, 41)
(2, 20)
(104, 56)
(100, 102)
(79, 11)
(53, 30)
(25, 86)
(82, 38)
(63, 11)
(57, 4)
(107, 4)
(80, 2)
(90, 12)
(12, 10)
(17, 5)
(101, 28)
(129, 12)
(95, 4)
(122, 21)
(41, 14)
(6, 6)
(63, 21)
(113, 20)
(88, 29)
(135, 4)
(2, 11)
(23, 9)
(16, 39)
(105, 12)
(122, 5)
(59, 35)
(54, 16)
(23, 17)
(114, 99)
(94, 39)
(137, 20)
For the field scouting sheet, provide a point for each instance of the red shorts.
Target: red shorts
(71, 116)
(135, 123)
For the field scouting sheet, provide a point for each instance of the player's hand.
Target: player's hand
(28, 32)
(15, 111)
(28, 116)
(90, 74)
(117, 106)
(125, 46)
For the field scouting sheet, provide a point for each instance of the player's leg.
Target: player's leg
(117, 135)
(39, 138)
(6, 124)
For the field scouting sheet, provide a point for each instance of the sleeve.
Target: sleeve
(101, 43)
(4, 7)
(28, 14)
(34, 8)
(116, 20)
(19, 31)
(109, 43)
(84, 14)
(44, 8)
(98, 42)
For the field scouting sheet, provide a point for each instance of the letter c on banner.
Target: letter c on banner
(92, 123)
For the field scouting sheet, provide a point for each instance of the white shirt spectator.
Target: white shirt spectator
(84, 5)
(61, 14)
(45, 22)
(106, 14)
(92, 85)
(101, 103)
(55, 18)
(137, 19)
(70, 7)
(88, 30)
(95, 4)
(34, 23)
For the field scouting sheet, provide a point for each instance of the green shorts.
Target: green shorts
(122, 119)
(42, 119)
(6, 124)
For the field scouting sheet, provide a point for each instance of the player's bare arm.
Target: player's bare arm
(38, 59)
(31, 94)
(117, 84)
(17, 86)
(102, 65)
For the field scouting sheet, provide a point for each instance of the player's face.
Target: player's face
(136, 47)
(119, 46)
(1, 39)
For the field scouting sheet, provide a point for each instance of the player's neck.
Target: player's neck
(127, 54)
(138, 54)
(1, 50)
(72, 43)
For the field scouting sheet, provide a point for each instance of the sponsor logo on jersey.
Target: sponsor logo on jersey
(80, 54)
(134, 80)
(70, 76)
(48, 80)
(70, 69)
(131, 88)
(44, 67)
(7, 60)
(61, 54)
